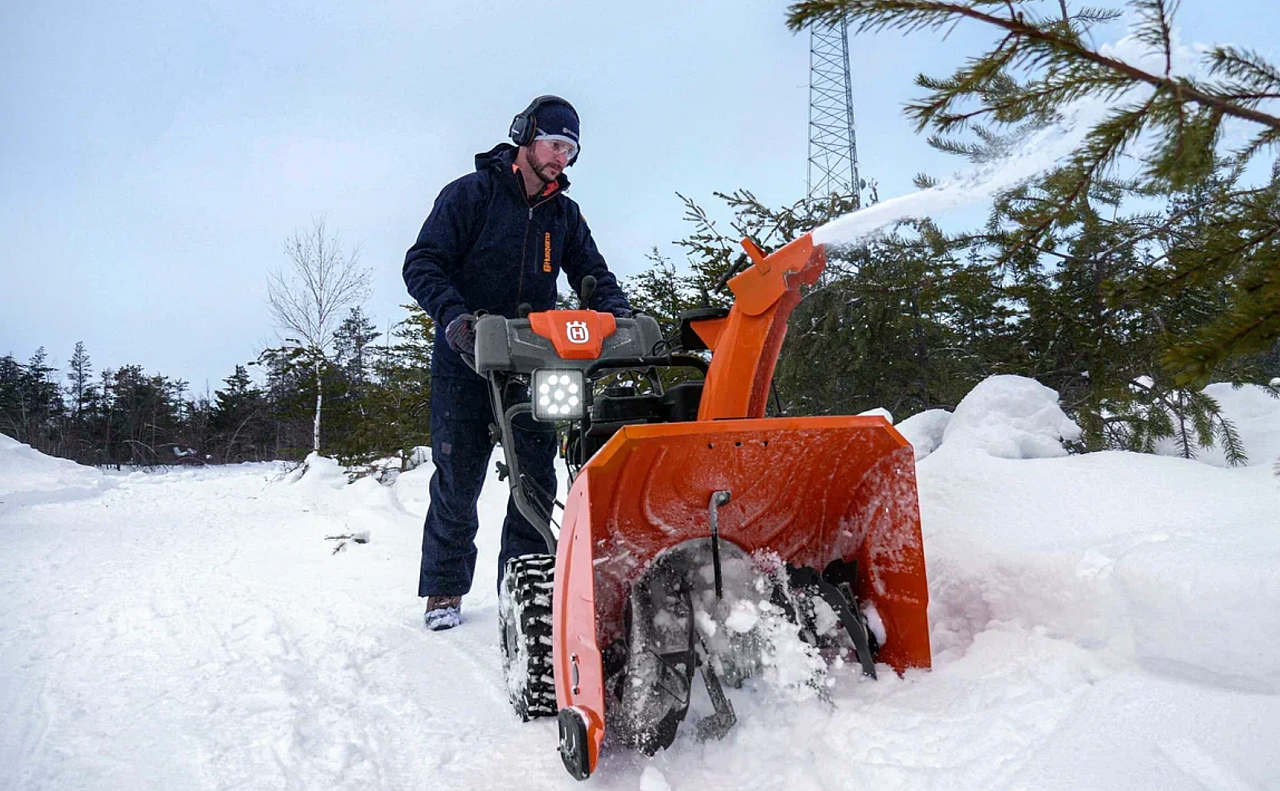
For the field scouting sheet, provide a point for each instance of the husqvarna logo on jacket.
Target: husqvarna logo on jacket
(577, 331)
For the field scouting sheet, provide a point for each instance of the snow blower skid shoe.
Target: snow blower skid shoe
(671, 486)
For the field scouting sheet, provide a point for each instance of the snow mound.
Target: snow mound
(1010, 417)
(924, 431)
(878, 412)
(413, 488)
(320, 478)
(318, 472)
(29, 477)
(1256, 416)
(1158, 562)
(420, 455)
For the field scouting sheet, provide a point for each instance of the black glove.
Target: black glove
(461, 334)
(622, 313)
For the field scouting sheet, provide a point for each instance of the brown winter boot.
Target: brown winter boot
(443, 612)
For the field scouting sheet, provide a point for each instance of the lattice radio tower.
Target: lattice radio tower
(833, 148)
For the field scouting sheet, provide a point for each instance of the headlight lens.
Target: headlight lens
(557, 395)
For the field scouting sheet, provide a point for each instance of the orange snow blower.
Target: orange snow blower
(675, 490)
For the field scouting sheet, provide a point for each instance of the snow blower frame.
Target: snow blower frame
(668, 478)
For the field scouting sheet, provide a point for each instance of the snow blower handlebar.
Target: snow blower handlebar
(573, 344)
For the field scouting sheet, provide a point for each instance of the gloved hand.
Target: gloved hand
(622, 313)
(461, 334)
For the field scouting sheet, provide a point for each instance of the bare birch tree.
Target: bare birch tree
(310, 294)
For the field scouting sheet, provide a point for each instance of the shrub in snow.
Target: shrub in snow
(1251, 414)
(417, 457)
(1011, 417)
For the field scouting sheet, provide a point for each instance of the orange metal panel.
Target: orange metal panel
(576, 654)
(576, 334)
(746, 350)
(810, 489)
(709, 331)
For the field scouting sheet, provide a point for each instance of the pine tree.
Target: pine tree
(196, 431)
(143, 414)
(290, 394)
(1126, 313)
(237, 419)
(40, 405)
(83, 396)
(661, 292)
(80, 376)
(394, 409)
(353, 349)
(403, 403)
(12, 398)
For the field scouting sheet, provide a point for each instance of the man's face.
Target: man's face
(548, 158)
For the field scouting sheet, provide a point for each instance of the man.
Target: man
(495, 238)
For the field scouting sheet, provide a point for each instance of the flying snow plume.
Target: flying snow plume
(1038, 152)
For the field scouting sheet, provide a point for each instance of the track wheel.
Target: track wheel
(524, 623)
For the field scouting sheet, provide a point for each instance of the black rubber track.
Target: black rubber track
(524, 629)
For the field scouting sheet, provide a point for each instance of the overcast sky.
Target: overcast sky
(154, 156)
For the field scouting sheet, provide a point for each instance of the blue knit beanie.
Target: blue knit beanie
(557, 121)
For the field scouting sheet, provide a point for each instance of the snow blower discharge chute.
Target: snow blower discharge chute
(676, 490)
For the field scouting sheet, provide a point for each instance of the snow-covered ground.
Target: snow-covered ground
(1100, 621)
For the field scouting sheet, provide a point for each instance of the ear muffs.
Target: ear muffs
(525, 125)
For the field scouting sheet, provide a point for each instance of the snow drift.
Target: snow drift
(28, 477)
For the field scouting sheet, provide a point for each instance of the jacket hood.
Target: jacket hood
(502, 156)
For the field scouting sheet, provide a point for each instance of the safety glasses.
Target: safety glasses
(561, 148)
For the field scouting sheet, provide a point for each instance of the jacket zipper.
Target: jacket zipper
(524, 246)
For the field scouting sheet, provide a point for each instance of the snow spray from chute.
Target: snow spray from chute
(1034, 154)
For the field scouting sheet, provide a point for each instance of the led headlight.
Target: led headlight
(557, 395)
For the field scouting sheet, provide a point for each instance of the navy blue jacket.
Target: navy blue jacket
(485, 246)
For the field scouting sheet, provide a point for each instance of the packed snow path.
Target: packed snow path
(1104, 621)
(194, 630)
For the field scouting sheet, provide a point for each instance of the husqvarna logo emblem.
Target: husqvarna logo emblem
(577, 331)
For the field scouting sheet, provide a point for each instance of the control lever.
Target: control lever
(588, 291)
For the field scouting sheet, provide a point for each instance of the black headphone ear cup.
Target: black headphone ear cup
(523, 128)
